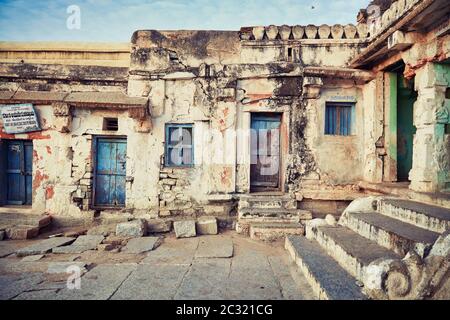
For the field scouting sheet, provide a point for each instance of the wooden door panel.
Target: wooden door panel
(19, 171)
(110, 172)
(265, 151)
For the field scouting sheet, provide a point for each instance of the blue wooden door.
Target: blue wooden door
(265, 152)
(19, 172)
(110, 172)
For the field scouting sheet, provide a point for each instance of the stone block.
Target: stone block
(141, 245)
(207, 226)
(22, 232)
(215, 247)
(44, 246)
(331, 220)
(44, 221)
(185, 229)
(169, 182)
(164, 213)
(133, 229)
(2, 235)
(215, 210)
(82, 244)
(85, 182)
(158, 226)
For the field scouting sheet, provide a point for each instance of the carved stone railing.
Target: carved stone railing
(285, 33)
(378, 22)
(375, 24)
(413, 277)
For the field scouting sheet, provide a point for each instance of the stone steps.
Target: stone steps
(23, 226)
(327, 278)
(280, 213)
(274, 231)
(352, 251)
(426, 216)
(270, 216)
(267, 202)
(391, 233)
(335, 257)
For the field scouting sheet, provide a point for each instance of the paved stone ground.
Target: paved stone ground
(185, 269)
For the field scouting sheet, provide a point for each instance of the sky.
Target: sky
(116, 20)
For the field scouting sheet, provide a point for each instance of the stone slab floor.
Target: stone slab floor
(227, 266)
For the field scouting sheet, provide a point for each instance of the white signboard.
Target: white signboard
(342, 99)
(19, 118)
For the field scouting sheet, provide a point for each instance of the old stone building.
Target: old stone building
(264, 128)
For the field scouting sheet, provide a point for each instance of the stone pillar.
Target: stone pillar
(373, 130)
(431, 152)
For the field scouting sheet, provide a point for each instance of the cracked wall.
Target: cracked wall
(214, 81)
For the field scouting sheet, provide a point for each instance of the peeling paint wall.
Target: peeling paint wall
(214, 81)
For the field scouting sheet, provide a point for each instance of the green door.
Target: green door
(406, 96)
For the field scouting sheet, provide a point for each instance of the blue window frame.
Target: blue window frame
(179, 145)
(339, 118)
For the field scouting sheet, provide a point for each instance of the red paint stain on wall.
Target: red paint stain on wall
(35, 156)
(49, 192)
(226, 112)
(410, 70)
(225, 177)
(222, 125)
(38, 136)
(4, 135)
(30, 136)
(38, 179)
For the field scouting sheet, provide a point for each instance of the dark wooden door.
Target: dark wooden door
(265, 152)
(19, 172)
(110, 172)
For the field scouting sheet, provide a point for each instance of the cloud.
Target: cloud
(107, 20)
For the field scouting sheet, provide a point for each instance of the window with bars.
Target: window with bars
(339, 119)
(179, 145)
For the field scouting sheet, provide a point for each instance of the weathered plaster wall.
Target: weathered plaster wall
(66, 53)
(214, 81)
(333, 154)
(217, 87)
(63, 163)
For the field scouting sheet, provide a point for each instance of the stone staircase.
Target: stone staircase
(270, 217)
(380, 249)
